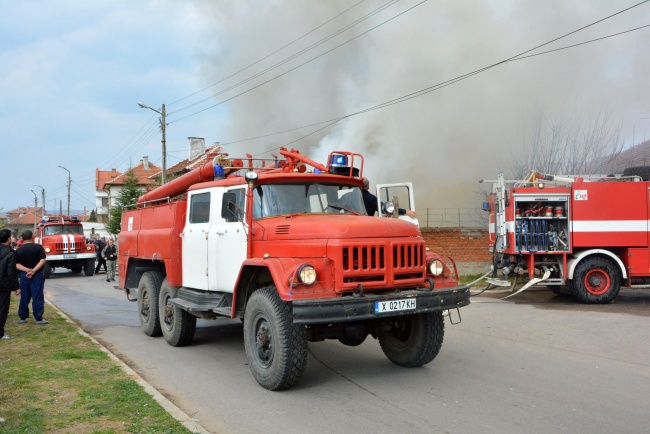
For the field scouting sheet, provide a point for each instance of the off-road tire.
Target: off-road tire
(413, 340)
(47, 270)
(596, 281)
(177, 325)
(89, 267)
(148, 292)
(276, 348)
(642, 171)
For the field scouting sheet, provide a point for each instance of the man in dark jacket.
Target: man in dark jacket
(99, 247)
(30, 260)
(8, 278)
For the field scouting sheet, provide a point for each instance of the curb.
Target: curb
(166, 404)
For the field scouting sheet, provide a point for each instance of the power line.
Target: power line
(461, 77)
(288, 59)
(303, 64)
(271, 54)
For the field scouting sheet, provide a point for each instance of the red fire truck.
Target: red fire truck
(587, 234)
(65, 246)
(289, 251)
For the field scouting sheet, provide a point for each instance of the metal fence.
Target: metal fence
(452, 218)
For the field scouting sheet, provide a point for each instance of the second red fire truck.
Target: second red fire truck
(65, 246)
(588, 234)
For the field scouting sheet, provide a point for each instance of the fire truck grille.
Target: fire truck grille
(66, 247)
(381, 263)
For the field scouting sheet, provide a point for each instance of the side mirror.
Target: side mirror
(229, 211)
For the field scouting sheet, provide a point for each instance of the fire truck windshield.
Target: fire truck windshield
(271, 200)
(63, 229)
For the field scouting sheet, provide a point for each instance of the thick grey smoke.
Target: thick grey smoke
(446, 140)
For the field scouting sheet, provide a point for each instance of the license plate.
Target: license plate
(69, 255)
(394, 305)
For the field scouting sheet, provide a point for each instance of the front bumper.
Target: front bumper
(70, 256)
(354, 308)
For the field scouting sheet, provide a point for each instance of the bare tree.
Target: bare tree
(569, 146)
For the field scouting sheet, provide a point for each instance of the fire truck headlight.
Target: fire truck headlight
(389, 208)
(87, 247)
(306, 274)
(47, 250)
(436, 268)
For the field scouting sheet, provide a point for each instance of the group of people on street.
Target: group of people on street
(28, 260)
(106, 256)
(21, 271)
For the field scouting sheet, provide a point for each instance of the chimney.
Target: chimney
(145, 162)
(113, 173)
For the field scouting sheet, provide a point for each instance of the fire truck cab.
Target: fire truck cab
(587, 233)
(65, 246)
(292, 253)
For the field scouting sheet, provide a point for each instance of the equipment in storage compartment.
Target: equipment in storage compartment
(542, 223)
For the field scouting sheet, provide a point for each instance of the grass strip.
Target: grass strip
(54, 380)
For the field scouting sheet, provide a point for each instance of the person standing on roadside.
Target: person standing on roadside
(99, 248)
(8, 278)
(110, 255)
(30, 260)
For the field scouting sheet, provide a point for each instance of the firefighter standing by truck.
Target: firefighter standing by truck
(110, 255)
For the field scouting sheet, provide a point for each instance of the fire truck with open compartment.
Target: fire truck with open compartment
(292, 253)
(586, 234)
(65, 246)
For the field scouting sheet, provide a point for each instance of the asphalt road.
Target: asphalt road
(535, 363)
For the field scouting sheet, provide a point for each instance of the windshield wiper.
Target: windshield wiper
(340, 208)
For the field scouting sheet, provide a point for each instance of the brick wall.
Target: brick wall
(468, 247)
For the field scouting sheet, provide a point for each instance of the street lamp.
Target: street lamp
(68, 188)
(43, 197)
(164, 143)
(35, 206)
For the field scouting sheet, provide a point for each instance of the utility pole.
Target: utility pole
(35, 206)
(69, 181)
(163, 127)
(42, 199)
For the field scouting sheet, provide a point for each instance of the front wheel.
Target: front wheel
(276, 348)
(413, 340)
(596, 281)
(148, 291)
(177, 325)
(47, 270)
(89, 267)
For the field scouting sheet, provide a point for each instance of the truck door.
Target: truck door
(227, 241)
(195, 240)
(402, 192)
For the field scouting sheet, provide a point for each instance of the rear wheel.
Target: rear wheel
(148, 291)
(76, 268)
(177, 325)
(89, 267)
(596, 281)
(413, 340)
(47, 270)
(276, 348)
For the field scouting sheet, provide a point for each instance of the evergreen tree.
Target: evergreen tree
(127, 196)
(93, 216)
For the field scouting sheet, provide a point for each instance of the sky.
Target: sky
(72, 74)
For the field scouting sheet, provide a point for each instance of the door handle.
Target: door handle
(220, 231)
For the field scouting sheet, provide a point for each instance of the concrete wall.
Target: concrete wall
(468, 247)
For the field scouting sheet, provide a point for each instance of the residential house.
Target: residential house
(144, 172)
(20, 219)
(198, 156)
(101, 195)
